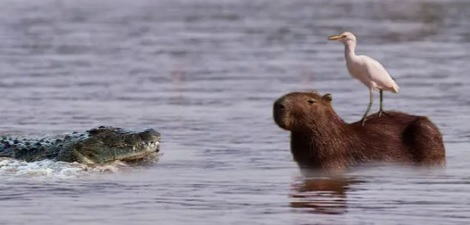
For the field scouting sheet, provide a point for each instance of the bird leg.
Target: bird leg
(381, 111)
(371, 100)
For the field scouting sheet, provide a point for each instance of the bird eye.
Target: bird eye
(311, 101)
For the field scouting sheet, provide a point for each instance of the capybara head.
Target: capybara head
(298, 111)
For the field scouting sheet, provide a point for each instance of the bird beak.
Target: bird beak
(334, 37)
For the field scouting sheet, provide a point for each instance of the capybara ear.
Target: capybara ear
(327, 97)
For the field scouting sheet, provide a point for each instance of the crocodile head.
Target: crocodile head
(106, 144)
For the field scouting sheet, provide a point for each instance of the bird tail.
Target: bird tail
(395, 88)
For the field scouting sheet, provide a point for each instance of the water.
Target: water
(205, 74)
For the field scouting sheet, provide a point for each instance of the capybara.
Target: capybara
(320, 139)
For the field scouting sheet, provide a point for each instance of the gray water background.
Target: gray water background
(205, 74)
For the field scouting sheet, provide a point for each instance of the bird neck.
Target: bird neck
(349, 49)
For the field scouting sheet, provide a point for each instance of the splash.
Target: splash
(12, 168)
(50, 169)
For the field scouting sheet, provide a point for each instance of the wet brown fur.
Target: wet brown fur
(320, 139)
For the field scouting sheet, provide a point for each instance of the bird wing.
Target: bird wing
(379, 75)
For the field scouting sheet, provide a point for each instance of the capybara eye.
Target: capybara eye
(311, 101)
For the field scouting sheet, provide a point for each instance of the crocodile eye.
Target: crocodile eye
(311, 101)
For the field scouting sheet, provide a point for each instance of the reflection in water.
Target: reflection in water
(323, 195)
(178, 77)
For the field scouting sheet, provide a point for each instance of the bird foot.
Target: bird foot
(379, 114)
(363, 121)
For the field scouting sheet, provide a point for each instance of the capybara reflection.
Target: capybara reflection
(320, 139)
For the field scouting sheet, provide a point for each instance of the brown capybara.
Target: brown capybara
(320, 139)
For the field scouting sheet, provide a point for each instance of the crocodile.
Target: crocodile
(95, 146)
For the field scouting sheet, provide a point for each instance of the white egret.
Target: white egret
(367, 70)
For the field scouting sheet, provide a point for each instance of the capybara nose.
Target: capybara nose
(279, 105)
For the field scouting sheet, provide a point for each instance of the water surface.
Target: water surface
(205, 74)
